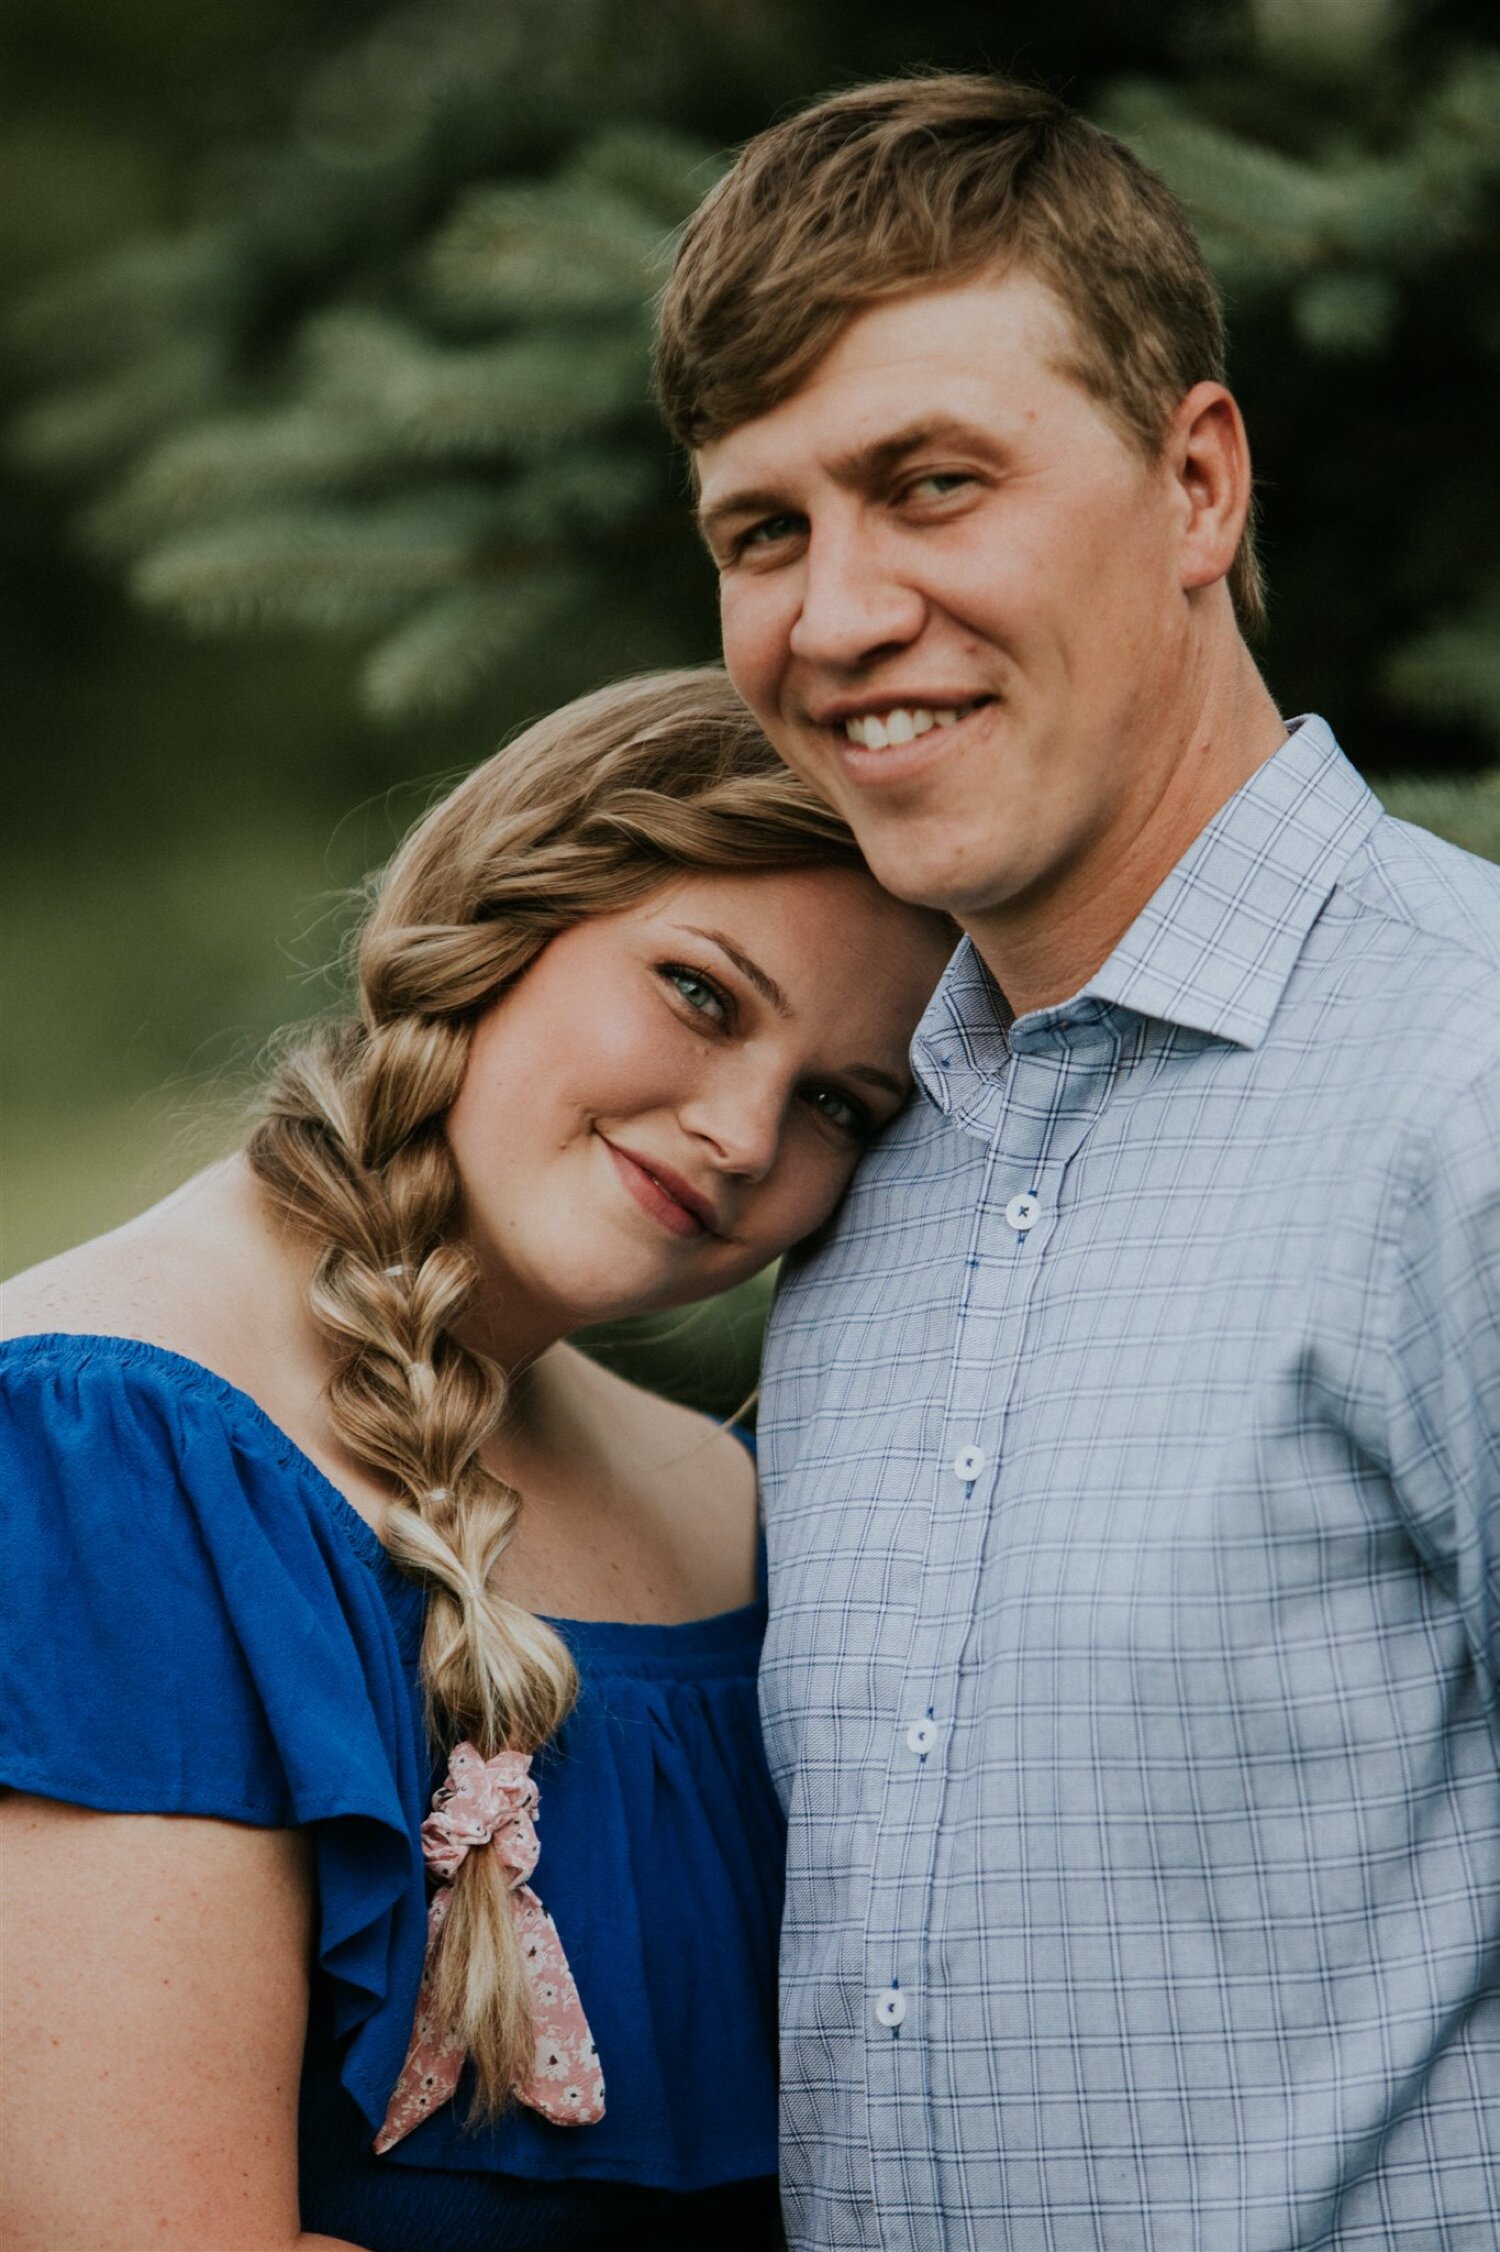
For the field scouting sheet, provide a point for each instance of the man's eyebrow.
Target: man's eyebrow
(765, 986)
(735, 506)
(860, 465)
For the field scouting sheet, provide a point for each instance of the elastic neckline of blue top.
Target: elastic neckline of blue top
(716, 1627)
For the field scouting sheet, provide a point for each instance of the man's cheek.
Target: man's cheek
(754, 646)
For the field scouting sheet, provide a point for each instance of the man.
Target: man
(1132, 1448)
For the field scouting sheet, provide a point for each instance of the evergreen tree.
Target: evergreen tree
(394, 385)
(397, 388)
(1342, 163)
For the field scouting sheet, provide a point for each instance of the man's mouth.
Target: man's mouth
(899, 724)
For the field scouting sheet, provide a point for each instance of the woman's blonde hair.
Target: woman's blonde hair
(584, 814)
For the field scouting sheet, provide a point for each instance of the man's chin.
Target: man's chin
(942, 881)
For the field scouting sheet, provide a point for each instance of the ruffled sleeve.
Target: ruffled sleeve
(197, 1626)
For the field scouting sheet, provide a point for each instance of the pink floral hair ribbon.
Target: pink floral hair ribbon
(489, 1804)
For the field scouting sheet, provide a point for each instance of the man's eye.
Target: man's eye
(767, 532)
(937, 484)
(699, 992)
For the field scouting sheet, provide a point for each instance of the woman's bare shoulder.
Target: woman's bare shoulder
(170, 1277)
(90, 1290)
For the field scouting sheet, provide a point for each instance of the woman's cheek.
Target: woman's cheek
(812, 1178)
(641, 1053)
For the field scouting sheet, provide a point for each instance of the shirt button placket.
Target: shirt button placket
(890, 2009)
(921, 1736)
(1023, 1212)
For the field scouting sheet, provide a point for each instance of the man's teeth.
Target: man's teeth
(900, 726)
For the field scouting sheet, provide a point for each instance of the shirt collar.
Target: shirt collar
(1214, 946)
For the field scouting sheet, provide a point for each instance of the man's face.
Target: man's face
(953, 595)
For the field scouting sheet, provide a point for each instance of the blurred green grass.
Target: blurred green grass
(64, 1178)
(137, 993)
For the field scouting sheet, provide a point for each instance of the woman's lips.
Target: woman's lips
(668, 1204)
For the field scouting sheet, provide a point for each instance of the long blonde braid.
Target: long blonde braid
(584, 814)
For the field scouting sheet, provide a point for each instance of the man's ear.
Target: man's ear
(1208, 455)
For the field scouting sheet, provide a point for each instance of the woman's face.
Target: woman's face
(670, 1096)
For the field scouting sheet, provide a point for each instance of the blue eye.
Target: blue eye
(937, 484)
(768, 531)
(699, 992)
(842, 1112)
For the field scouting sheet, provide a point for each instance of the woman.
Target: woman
(311, 1507)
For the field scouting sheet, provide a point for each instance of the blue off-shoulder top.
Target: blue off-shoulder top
(199, 1623)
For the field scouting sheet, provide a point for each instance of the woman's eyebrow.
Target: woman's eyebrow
(764, 984)
(874, 1077)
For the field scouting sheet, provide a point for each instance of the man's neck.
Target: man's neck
(1042, 948)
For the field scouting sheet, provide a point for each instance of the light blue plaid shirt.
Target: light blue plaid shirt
(1132, 1460)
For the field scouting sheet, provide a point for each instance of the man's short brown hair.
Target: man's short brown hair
(923, 181)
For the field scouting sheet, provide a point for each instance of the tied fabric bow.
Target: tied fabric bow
(491, 1802)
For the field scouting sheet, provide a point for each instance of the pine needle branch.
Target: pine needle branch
(472, 400)
(89, 429)
(330, 569)
(1452, 671)
(448, 650)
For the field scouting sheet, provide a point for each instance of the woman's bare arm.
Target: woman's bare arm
(155, 2007)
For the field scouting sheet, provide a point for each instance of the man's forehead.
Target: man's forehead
(930, 365)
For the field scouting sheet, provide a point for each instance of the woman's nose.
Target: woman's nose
(740, 1116)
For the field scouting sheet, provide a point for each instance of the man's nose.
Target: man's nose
(854, 608)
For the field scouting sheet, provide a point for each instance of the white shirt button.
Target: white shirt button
(968, 1462)
(921, 1736)
(891, 2007)
(1023, 1212)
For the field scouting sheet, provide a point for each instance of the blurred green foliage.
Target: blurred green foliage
(326, 339)
(390, 383)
